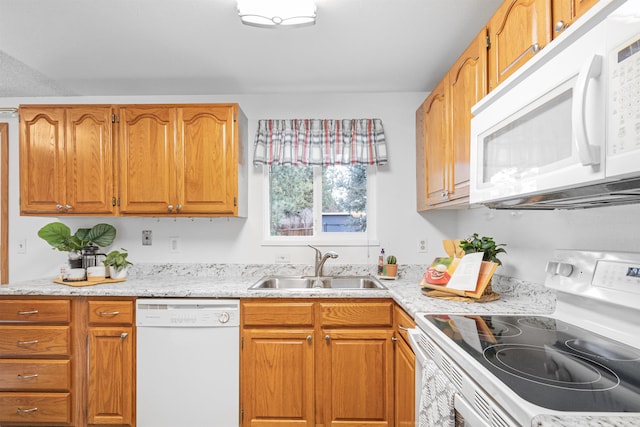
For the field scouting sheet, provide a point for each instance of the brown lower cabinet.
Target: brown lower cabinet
(67, 362)
(318, 362)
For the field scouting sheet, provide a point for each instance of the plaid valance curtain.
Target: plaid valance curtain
(320, 142)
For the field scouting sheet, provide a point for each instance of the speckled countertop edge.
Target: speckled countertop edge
(233, 281)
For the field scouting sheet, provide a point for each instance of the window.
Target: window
(314, 203)
(320, 179)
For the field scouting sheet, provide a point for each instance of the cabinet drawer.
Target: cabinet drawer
(34, 341)
(402, 321)
(50, 311)
(356, 314)
(35, 375)
(111, 312)
(32, 408)
(277, 313)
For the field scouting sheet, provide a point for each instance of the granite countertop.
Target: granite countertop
(224, 281)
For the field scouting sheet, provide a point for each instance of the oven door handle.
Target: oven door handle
(471, 417)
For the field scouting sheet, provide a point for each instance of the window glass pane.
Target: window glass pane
(344, 198)
(291, 195)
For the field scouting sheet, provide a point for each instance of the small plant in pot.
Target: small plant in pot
(487, 245)
(391, 269)
(117, 263)
(59, 236)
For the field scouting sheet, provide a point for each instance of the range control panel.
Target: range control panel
(619, 275)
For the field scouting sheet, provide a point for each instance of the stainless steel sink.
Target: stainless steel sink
(312, 283)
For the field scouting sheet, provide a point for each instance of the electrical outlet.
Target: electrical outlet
(174, 245)
(422, 245)
(146, 237)
(283, 259)
(22, 246)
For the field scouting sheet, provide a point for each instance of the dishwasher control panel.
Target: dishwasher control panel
(178, 313)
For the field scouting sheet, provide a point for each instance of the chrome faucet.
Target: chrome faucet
(321, 259)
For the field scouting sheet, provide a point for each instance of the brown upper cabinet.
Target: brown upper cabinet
(444, 129)
(565, 12)
(517, 31)
(178, 159)
(66, 160)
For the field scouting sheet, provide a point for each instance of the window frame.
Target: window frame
(320, 238)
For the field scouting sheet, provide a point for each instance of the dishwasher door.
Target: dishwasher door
(187, 371)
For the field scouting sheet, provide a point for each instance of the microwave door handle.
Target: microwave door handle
(587, 153)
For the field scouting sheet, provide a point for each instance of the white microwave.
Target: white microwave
(564, 131)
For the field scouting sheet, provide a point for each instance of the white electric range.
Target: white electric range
(579, 366)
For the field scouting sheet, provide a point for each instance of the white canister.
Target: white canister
(96, 273)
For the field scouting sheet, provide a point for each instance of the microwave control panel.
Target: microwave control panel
(624, 93)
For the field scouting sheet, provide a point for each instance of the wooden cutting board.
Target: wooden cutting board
(86, 282)
(448, 296)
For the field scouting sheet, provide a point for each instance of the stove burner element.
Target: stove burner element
(551, 367)
(601, 349)
(544, 323)
(499, 329)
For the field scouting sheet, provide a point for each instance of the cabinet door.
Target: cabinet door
(42, 160)
(357, 373)
(467, 85)
(421, 178)
(517, 31)
(207, 160)
(277, 377)
(436, 145)
(147, 160)
(110, 388)
(581, 6)
(89, 164)
(405, 384)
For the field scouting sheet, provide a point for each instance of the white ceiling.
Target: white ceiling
(158, 47)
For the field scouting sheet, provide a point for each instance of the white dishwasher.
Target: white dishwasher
(187, 371)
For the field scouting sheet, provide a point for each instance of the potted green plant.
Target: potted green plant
(117, 263)
(487, 245)
(391, 268)
(59, 236)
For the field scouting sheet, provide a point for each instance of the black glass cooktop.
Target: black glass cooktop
(549, 362)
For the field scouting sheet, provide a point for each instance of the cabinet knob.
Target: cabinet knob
(560, 25)
(535, 48)
(394, 339)
(124, 335)
(170, 208)
(67, 207)
(309, 338)
(59, 206)
(179, 207)
(327, 338)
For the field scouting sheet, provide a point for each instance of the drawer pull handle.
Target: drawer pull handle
(23, 313)
(26, 411)
(109, 313)
(27, 342)
(27, 377)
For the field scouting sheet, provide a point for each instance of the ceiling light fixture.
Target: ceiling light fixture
(277, 13)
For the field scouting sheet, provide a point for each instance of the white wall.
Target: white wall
(239, 240)
(531, 236)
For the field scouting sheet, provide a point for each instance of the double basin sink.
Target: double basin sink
(296, 283)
